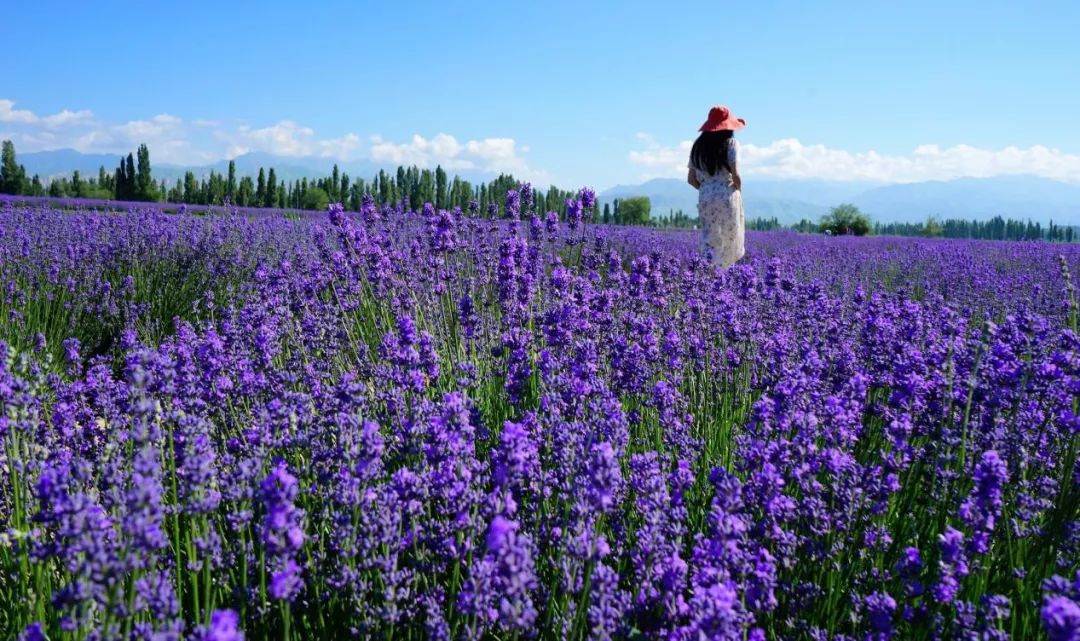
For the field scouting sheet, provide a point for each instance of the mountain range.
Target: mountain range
(61, 162)
(1014, 196)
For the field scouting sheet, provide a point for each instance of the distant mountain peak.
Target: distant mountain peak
(1011, 196)
(61, 162)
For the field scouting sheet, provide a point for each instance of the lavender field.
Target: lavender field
(432, 425)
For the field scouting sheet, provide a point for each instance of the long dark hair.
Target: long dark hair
(710, 151)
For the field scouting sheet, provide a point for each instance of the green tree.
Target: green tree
(11, 174)
(230, 184)
(129, 182)
(932, 227)
(144, 183)
(315, 199)
(400, 187)
(245, 192)
(384, 187)
(260, 189)
(119, 180)
(271, 189)
(635, 210)
(846, 219)
(77, 185)
(191, 188)
(440, 187)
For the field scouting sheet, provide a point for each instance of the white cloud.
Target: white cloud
(488, 154)
(286, 138)
(789, 158)
(661, 160)
(8, 113)
(175, 140)
(442, 149)
(167, 136)
(66, 118)
(342, 148)
(161, 126)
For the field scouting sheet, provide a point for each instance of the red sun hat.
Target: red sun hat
(720, 119)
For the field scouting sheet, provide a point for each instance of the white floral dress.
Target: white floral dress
(720, 212)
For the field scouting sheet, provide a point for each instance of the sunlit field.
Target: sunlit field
(430, 425)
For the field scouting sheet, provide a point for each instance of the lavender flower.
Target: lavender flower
(587, 197)
(224, 626)
(953, 565)
(526, 192)
(573, 213)
(1061, 618)
(982, 509)
(499, 592)
(880, 607)
(282, 531)
(513, 205)
(430, 425)
(33, 632)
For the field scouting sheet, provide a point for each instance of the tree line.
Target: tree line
(132, 180)
(846, 219)
(997, 228)
(637, 210)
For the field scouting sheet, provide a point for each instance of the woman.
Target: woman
(714, 173)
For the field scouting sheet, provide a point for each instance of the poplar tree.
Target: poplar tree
(260, 189)
(129, 180)
(77, 185)
(10, 176)
(440, 187)
(230, 184)
(245, 192)
(144, 183)
(271, 189)
(190, 188)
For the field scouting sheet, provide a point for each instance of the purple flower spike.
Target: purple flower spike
(33, 632)
(1061, 618)
(224, 626)
(981, 510)
(587, 197)
(501, 528)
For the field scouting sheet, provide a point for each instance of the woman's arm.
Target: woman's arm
(691, 178)
(736, 180)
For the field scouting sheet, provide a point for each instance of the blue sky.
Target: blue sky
(571, 92)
